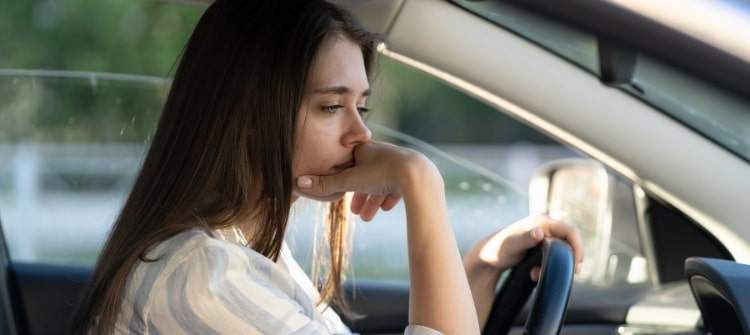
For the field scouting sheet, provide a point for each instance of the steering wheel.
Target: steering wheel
(553, 291)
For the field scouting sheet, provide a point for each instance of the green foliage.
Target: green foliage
(118, 36)
(51, 110)
(93, 43)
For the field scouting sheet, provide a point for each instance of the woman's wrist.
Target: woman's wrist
(417, 176)
(474, 264)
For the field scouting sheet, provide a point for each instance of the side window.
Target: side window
(82, 84)
(74, 146)
(487, 160)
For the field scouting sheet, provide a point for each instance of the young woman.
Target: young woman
(266, 107)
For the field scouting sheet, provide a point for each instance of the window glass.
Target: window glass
(72, 143)
(715, 113)
(82, 84)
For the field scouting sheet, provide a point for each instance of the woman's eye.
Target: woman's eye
(362, 110)
(332, 108)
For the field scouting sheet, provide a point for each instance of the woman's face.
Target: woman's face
(329, 122)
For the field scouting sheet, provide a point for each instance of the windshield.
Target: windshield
(716, 114)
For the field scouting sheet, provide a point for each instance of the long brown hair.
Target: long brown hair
(222, 151)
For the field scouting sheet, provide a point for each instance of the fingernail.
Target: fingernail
(536, 233)
(304, 182)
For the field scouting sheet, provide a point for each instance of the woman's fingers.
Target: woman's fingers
(371, 206)
(570, 234)
(366, 206)
(535, 273)
(526, 240)
(390, 202)
(358, 201)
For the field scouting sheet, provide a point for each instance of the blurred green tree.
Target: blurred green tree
(108, 61)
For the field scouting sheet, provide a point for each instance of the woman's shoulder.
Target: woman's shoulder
(200, 250)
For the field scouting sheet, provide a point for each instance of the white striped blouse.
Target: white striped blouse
(207, 285)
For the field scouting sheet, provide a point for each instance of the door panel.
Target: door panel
(45, 296)
(7, 321)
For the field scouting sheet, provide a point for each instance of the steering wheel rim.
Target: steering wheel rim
(552, 296)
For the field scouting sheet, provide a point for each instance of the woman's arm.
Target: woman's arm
(440, 297)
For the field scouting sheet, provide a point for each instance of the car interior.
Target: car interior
(689, 222)
(40, 299)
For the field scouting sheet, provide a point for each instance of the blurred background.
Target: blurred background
(81, 88)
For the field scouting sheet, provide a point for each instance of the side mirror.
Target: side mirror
(578, 192)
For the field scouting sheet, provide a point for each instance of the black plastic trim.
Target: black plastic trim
(721, 289)
(676, 237)
(8, 323)
(616, 63)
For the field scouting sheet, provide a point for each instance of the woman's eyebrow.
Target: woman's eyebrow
(340, 90)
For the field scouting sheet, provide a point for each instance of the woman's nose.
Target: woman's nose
(357, 131)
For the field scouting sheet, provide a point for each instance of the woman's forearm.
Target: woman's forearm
(440, 297)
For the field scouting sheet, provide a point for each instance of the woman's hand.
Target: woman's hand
(378, 177)
(488, 258)
(506, 248)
